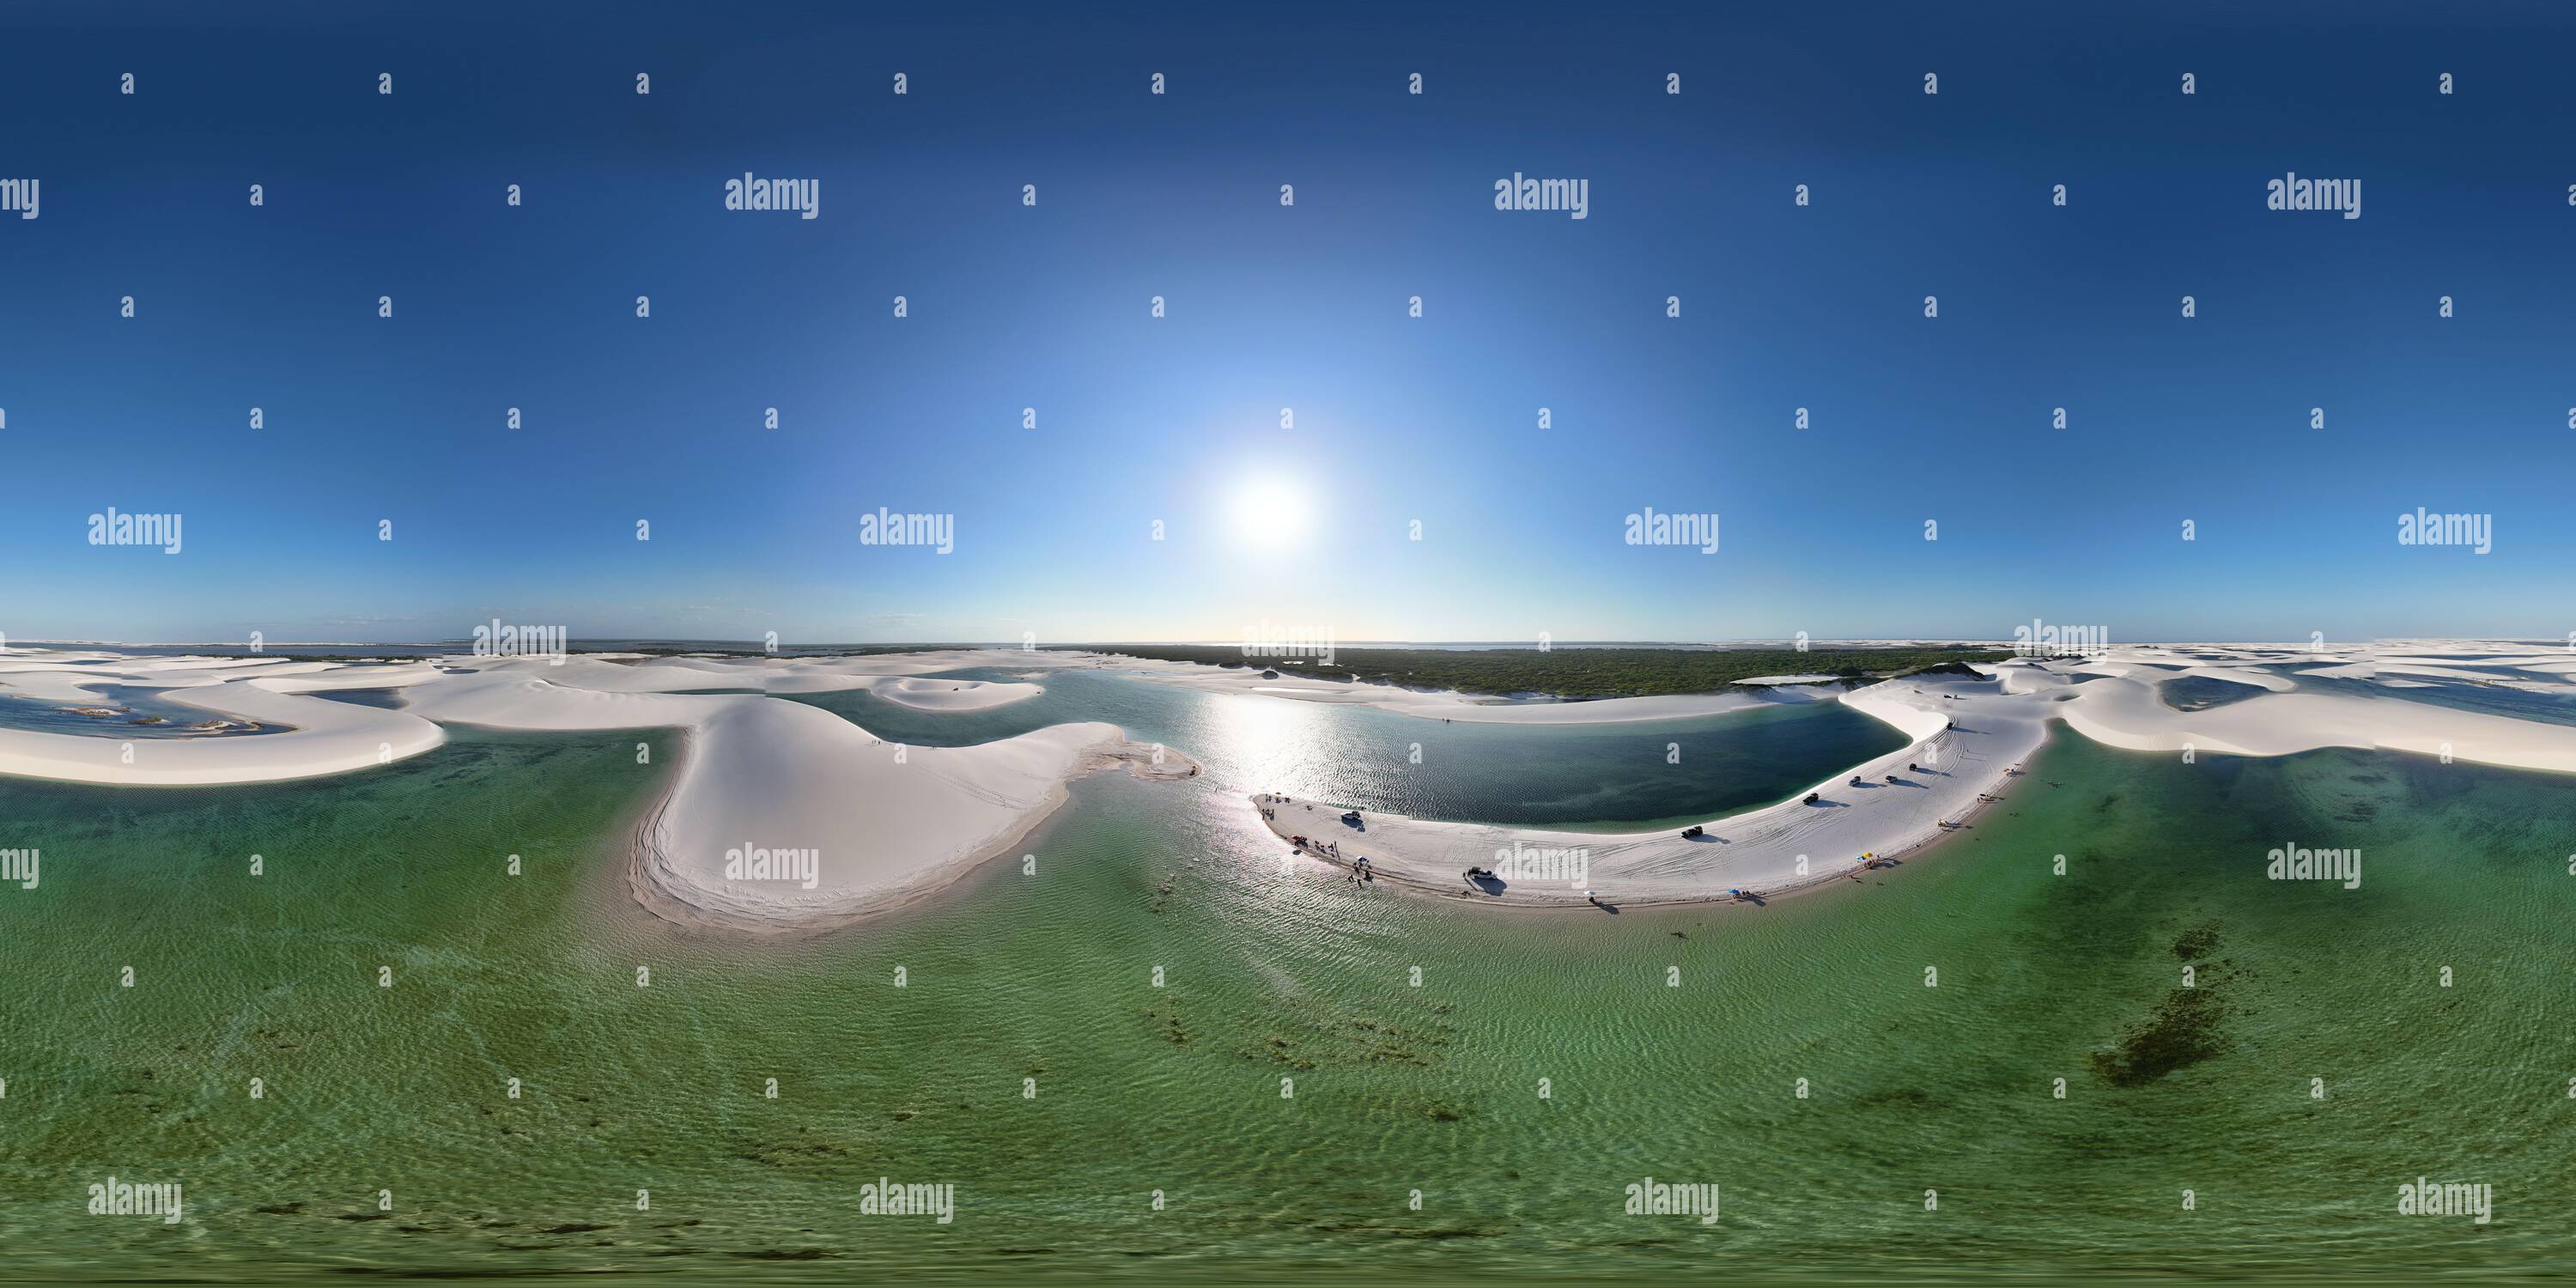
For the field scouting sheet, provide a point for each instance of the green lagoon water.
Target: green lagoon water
(1268, 976)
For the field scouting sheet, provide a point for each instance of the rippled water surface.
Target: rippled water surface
(1289, 1086)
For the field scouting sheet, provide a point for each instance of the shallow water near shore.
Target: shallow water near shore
(130, 711)
(1671, 1043)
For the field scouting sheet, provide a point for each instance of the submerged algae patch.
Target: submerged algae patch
(2185, 1030)
(2187, 1027)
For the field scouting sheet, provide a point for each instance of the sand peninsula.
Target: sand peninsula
(1968, 738)
(780, 815)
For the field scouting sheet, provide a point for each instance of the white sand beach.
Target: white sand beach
(1967, 738)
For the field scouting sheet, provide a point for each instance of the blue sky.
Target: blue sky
(1176, 419)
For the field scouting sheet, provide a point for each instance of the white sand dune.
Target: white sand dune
(2241, 675)
(340, 679)
(894, 677)
(56, 684)
(327, 738)
(951, 695)
(499, 698)
(882, 823)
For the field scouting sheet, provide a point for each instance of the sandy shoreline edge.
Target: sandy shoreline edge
(655, 881)
(875, 827)
(1967, 738)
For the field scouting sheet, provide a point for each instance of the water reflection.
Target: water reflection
(1271, 740)
(1638, 776)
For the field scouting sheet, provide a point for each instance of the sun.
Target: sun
(1271, 515)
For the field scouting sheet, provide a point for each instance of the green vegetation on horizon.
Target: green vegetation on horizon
(1579, 672)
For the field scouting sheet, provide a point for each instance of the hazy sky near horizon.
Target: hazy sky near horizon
(371, 420)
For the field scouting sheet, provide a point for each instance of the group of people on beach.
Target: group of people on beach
(1361, 871)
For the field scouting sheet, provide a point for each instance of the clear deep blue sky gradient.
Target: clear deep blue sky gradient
(1397, 419)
